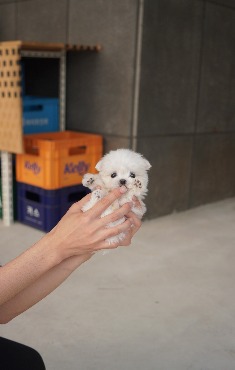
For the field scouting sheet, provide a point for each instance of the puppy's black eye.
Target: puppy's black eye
(132, 174)
(113, 175)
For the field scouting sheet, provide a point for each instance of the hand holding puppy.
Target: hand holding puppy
(81, 233)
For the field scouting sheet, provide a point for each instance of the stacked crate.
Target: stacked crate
(49, 174)
(40, 111)
(40, 114)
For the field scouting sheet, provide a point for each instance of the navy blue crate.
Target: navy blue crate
(42, 208)
(40, 114)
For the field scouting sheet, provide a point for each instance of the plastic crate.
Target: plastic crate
(40, 115)
(59, 159)
(42, 208)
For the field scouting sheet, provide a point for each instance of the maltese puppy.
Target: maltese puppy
(121, 167)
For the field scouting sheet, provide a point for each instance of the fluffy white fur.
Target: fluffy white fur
(122, 167)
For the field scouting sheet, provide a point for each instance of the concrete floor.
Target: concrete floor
(166, 303)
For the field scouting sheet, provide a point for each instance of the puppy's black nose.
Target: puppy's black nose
(122, 182)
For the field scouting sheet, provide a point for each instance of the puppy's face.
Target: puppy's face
(124, 167)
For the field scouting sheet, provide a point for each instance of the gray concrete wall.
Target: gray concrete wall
(182, 84)
(186, 121)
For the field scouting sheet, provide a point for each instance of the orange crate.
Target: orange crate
(58, 159)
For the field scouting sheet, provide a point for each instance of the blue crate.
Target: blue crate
(40, 115)
(42, 208)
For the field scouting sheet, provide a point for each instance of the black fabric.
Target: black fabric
(16, 356)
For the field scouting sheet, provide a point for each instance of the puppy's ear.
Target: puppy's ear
(99, 165)
(147, 165)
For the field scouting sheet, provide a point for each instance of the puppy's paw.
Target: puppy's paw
(96, 195)
(88, 180)
(138, 184)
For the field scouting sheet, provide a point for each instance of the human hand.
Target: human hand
(83, 233)
(135, 225)
(136, 202)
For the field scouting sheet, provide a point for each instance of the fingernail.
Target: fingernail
(123, 189)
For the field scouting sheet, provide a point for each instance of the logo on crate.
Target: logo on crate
(35, 122)
(34, 167)
(81, 168)
(33, 212)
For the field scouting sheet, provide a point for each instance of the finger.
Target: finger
(105, 202)
(136, 220)
(135, 225)
(78, 205)
(116, 230)
(105, 245)
(127, 240)
(136, 202)
(110, 232)
(116, 215)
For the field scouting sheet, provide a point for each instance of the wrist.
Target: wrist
(74, 262)
(61, 247)
(51, 249)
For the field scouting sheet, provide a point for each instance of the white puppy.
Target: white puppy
(121, 167)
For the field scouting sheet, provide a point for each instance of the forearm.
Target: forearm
(39, 270)
(40, 288)
(24, 270)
